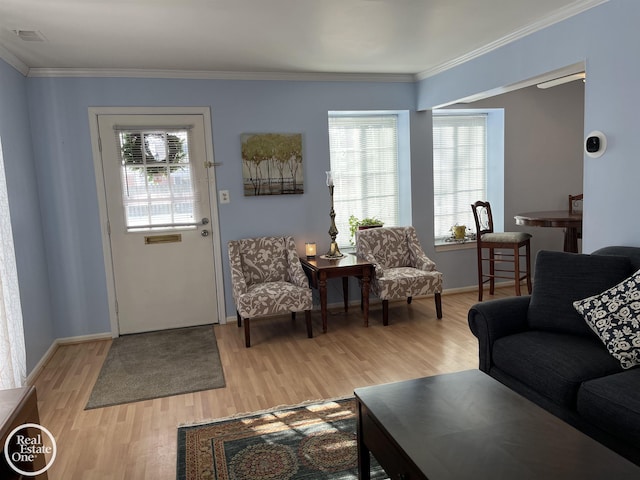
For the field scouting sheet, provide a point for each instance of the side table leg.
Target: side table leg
(366, 277)
(322, 289)
(345, 292)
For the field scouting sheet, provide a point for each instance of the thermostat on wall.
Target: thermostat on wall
(595, 144)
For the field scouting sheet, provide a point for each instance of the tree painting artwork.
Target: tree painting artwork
(272, 163)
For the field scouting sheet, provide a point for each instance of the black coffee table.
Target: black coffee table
(467, 425)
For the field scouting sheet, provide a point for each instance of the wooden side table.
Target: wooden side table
(319, 270)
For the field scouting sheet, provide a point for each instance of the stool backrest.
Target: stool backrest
(483, 217)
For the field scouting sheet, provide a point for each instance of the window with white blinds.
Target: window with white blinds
(364, 162)
(157, 179)
(459, 169)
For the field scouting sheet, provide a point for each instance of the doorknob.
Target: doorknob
(204, 233)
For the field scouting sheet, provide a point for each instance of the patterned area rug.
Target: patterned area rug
(310, 441)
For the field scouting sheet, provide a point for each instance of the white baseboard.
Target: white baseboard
(54, 346)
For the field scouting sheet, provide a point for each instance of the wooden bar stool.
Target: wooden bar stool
(508, 245)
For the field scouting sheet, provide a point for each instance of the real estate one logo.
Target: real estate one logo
(27, 448)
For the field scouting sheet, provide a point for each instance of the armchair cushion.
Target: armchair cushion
(403, 282)
(562, 278)
(264, 259)
(272, 298)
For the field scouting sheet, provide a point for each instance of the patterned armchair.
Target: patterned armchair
(402, 270)
(267, 279)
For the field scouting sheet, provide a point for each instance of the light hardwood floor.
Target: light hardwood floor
(283, 367)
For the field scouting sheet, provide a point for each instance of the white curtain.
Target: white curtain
(13, 359)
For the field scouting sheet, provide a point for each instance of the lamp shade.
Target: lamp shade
(329, 179)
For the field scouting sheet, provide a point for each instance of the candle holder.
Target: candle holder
(334, 251)
(310, 249)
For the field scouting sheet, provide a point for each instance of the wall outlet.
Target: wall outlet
(223, 196)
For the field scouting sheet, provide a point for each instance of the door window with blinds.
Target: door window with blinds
(459, 169)
(158, 189)
(364, 162)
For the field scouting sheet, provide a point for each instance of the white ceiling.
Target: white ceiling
(373, 37)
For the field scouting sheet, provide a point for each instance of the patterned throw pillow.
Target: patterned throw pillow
(614, 315)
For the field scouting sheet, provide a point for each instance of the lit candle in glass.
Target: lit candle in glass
(310, 249)
(329, 179)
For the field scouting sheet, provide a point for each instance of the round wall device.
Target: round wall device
(595, 144)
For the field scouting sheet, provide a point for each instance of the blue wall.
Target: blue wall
(58, 108)
(606, 38)
(20, 170)
(45, 132)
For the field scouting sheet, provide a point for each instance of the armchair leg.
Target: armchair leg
(409, 300)
(307, 317)
(385, 312)
(438, 298)
(247, 333)
(239, 318)
(293, 316)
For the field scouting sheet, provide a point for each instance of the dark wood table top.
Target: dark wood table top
(550, 218)
(467, 425)
(318, 263)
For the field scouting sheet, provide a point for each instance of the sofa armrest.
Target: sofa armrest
(494, 319)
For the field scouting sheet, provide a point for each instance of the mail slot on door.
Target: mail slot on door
(155, 239)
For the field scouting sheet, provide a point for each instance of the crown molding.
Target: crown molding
(215, 75)
(558, 16)
(14, 61)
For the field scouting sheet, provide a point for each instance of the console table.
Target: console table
(319, 270)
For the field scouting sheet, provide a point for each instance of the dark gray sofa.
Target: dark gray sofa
(542, 348)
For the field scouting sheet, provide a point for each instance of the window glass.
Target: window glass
(157, 183)
(459, 169)
(364, 161)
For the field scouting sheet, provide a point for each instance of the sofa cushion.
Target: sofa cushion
(562, 278)
(553, 364)
(612, 403)
(614, 315)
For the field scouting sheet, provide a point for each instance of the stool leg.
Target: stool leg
(480, 284)
(528, 260)
(516, 268)
(492, 272)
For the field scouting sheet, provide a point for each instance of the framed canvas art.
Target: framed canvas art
(272, 163)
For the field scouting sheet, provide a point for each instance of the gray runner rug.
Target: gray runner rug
(158, 364)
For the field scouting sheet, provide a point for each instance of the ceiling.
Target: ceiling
(369, 37)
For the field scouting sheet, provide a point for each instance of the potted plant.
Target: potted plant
(360, 224)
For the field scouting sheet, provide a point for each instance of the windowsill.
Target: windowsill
(443, 245)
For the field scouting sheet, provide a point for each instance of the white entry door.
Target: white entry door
(159, 216)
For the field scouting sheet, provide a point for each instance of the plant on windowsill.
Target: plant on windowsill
(356, 224)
